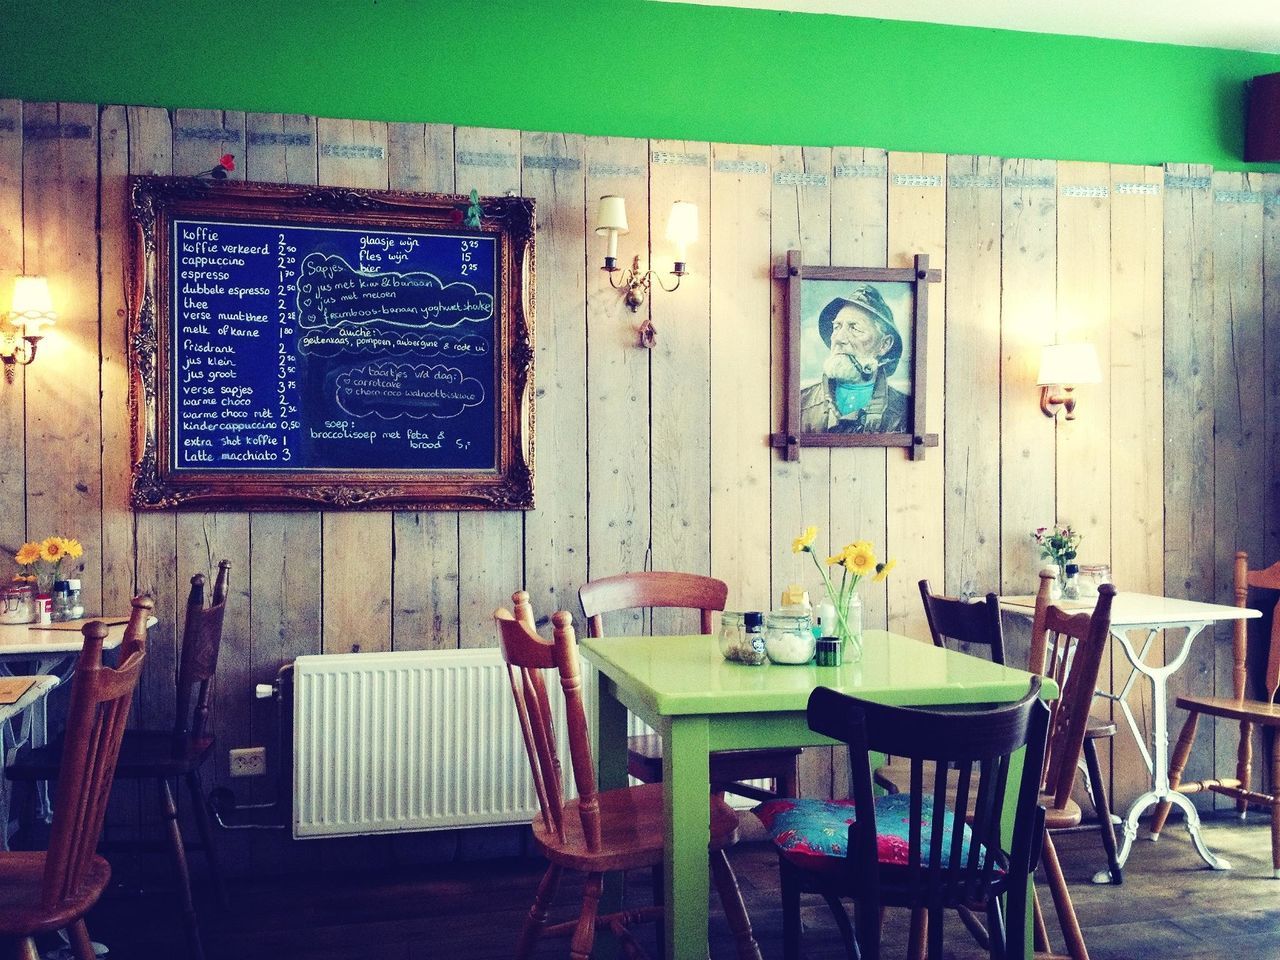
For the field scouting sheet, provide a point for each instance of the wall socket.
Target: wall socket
(249, 762)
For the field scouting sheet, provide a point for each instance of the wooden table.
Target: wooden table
(15, 730)
(698, 703)
(1140, 611)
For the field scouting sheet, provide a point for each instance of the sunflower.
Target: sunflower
(73, 548)
(859, 559)
(884, 569)
(27, 554)
(838, 558)
(53, 549)
(804, 542)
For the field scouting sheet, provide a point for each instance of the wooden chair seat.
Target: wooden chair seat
(22, 910)
(143, 754)
(1251, 711)
(728, 767)
(632, 827)
(1063, 817)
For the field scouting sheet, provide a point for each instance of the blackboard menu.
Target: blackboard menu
(343, 348)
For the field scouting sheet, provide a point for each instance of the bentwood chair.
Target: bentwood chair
(915, 849)
(973, 623)
(1249, 713)
(687, 591)
(1071, 647)
(41, 892)
(599, 831)
(175, 754)
(1095, 730)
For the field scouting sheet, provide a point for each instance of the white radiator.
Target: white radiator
(423, 740)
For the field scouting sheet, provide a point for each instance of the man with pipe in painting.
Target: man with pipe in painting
(854, 395)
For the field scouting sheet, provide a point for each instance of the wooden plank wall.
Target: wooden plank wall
(657, 459)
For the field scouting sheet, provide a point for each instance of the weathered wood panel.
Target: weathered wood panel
(918, 224)
(680, 377)
(971, 508)
(13, 489)
(738, 243)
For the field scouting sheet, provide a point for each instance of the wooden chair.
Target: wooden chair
(177, 753)
(1096, 730)
(969, 623)
(598, 832)
(41, 892)
(688, 591)
(928, 865)
(1071, 648)
(1262, 713)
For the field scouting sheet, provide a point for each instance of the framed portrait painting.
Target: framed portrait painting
(855, 370)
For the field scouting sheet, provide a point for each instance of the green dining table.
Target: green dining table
(698, 702)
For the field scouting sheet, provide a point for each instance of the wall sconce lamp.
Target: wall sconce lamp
(30, 311)
(682, 230)
(1063, 366)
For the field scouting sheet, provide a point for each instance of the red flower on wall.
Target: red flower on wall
(225, 162)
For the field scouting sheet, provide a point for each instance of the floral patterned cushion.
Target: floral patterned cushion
(814, 834)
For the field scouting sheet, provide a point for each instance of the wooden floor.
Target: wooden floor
(1169, 906)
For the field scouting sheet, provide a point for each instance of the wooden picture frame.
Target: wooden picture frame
(863, 397)
(298, 347)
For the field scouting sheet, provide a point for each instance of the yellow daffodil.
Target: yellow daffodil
(27, 554)
(52, 549)
(860, 560)
(803, 542)
(883, 570)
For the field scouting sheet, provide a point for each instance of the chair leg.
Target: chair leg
(81, 945)
(935, 933)
(1176, 765)
(537, 917)
(657, 880)
(201, 811)
(25, 949)
(1244, 764)
(790, 884)
(842, 923)
(1098, 789)
(1275, 810)
(996, 936)
(788, 785)
(1062, 902)
(1041, 932)
(735, 910)
(169, 810)
(584, 934)
(918, 934)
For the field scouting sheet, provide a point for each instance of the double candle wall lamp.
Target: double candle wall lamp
(682, 230)
(1063, 367)
(30, 310)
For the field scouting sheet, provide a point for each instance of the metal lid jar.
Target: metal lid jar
(17, 603)
(788, 637)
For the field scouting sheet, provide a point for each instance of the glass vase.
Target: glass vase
(849, 629)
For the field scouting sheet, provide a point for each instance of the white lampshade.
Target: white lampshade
(32, 305)
(682, 228)
(611, 214)
(1068, 364)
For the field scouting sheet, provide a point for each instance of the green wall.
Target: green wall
(639, 68)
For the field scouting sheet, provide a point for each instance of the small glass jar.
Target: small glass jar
(730, 634)
(788, 637)
(17, 603)
(61, 601)
(751, 650)
(1092, 576)
(77, 606)
(1071, 585)
(830, 652)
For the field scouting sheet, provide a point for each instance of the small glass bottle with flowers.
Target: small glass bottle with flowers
(42, 562)
(856, 561)
(1060, 545)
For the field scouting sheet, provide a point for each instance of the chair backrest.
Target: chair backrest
(201, 640)
(527, 656)
(96, 719)
(1073, 645)
(971, 751)
(688, 591)
(975, 623)
(1268, 579)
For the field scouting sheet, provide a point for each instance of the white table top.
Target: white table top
(1141, 609)
(36, 639)
(40, 686)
